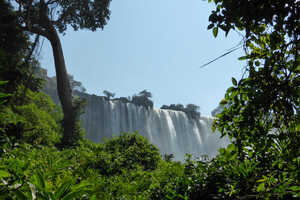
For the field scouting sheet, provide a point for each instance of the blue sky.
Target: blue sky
(158, 45)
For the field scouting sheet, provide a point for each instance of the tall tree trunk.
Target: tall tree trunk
(63, 88)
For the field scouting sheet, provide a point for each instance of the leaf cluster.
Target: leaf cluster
(261, 111)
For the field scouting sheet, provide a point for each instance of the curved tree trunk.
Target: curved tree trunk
(63, 88)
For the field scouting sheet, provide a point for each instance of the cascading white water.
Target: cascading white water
(171, 131)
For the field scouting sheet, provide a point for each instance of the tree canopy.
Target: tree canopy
(38, 16)
(76, 85)
(143, 99)
(47, 18)
(270, 96)
(261, 111)
(191, 110)
(108, 94)
(17, 62)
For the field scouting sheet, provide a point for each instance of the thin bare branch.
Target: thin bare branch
(221, 56)
(51, 2)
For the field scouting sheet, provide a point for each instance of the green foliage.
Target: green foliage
(77, 14)
(128, 151)
(79, 105)
(16, 62)
(29, 172)
(42, 173)
(3, 96)
(143, 99)
(47, 18)
(262, 109)
(75, 85)
(169, 185)
(261, 115)
(36, 121)
(191, 110)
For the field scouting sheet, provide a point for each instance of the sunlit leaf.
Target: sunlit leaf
(234, 82)
(261, 187)
(63, 189)
(295, 188)
(4, 174)
(215, 31)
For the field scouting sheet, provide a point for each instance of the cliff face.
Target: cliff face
(171, 131)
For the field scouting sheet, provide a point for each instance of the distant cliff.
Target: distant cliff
(173, 132)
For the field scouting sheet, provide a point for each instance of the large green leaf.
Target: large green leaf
(64, 189)
(261, 187)
(295, 188)
(38, 180)
(4, 174)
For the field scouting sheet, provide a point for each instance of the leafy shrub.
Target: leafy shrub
(35, 121)
(126, 152)
(28, 172)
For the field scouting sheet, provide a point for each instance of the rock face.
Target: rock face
(171, 131)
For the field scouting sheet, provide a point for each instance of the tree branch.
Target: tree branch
(62, 16)
(232, 50)
(36, 31)
(36, 40)
(51, 2)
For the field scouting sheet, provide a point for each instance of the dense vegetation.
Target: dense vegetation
(191, 110)
(261, 115)
(143, 98)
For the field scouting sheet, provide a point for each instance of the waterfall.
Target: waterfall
(171, 131)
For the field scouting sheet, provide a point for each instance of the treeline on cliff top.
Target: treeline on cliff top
(143, 98)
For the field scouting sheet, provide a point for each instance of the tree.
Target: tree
(192, 111)
(164, 107)
(76, 85)
(180, 106)
(262, 109)
(17, 62)
(192, 107)
(143, 99)
(108, 94)
(50, 17)
(145, 94)
(127, 151)
(271, 91)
